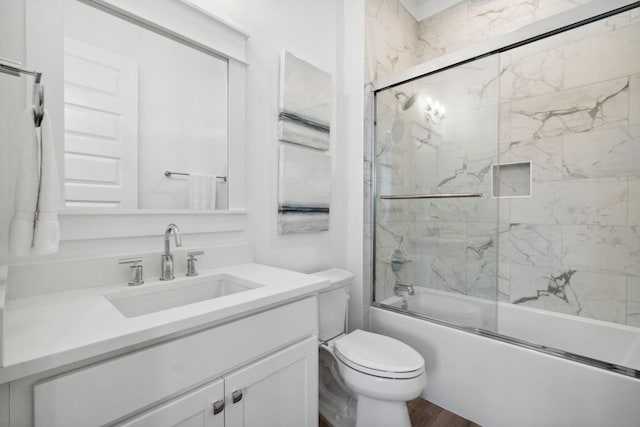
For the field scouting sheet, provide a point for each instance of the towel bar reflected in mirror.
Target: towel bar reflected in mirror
(168, 174)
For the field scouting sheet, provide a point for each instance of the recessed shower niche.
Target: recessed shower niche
(511, 180)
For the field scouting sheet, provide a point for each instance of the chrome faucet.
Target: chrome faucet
(166, 271)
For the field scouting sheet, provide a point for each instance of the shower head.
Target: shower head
(408, 100)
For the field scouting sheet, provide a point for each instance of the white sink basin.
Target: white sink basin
(143, 300)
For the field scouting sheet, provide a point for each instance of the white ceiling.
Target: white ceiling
(421, 9)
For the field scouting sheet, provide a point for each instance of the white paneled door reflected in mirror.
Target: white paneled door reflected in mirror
(138, 102)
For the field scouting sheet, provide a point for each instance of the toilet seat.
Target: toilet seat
(378, 355)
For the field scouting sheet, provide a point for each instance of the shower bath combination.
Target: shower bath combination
(510, 183)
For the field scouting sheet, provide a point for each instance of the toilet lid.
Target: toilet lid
(378, 355)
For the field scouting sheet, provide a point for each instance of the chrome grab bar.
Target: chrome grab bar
(429, 196)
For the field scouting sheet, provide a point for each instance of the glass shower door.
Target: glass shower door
(436, 210)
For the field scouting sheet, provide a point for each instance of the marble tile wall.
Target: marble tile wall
(478, 20)
(574, 246)
(391, 37)
(394, 219)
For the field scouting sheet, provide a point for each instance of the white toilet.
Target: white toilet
(365, 378)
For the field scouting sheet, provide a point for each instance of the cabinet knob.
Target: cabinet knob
(218, 406)
(236, 396)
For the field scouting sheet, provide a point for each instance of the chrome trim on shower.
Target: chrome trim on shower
(612, 367)
(429, 196)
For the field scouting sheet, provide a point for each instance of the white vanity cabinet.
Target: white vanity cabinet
(266, 363)
(275, 391)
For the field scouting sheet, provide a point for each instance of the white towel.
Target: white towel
(26, 192)
(202, 192)
(23, 228)
(47, 230)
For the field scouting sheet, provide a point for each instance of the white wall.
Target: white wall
(306, 29)
(350, 153)
(12, 103)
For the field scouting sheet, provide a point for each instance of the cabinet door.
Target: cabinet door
(278, 391)
(194, 409)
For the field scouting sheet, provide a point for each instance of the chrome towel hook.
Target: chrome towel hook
(38, 100)
(14, 68)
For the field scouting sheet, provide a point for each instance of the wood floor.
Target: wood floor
(426, 414)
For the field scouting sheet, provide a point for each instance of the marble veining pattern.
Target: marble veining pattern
(570, 291)
(597, 106)
(545, 155)
(504, 281)
(479, 20)
(612, 249)
(391, 38)
(531, 244)
(599, 201)
(558, 286)
(611, 152)
(436, 35)
(537, 74)
(611, 55)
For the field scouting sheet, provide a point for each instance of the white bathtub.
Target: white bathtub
(604, 341)
(494, 383)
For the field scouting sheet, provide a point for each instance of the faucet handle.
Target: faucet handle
(135, 272)
(191, 262)
(398, 260)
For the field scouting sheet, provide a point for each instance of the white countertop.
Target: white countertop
(48, 331)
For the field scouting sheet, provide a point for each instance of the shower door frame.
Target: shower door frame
(578, 17)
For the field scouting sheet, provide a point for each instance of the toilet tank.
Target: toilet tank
(333, 303)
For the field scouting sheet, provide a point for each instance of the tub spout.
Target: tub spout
(403, 290)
